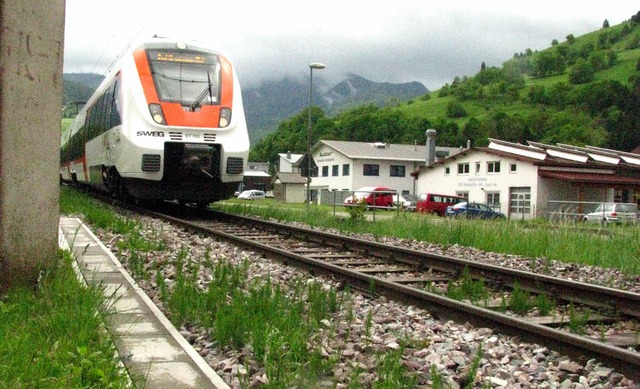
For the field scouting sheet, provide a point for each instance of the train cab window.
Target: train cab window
(186, 77)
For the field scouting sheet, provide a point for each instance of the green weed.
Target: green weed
(53, 336)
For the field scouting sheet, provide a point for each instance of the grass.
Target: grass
(52, 338)
(618, 247)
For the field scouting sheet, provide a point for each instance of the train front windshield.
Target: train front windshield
(186, 77)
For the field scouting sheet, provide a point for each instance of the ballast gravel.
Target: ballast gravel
(377, 324)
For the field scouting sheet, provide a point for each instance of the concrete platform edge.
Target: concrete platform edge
(191, 353)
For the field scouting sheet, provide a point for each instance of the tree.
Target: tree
(559, 94)
(538, 95)
(574, 127)
(549, 62)
(455, 109)
(605, 24)
(581, 73)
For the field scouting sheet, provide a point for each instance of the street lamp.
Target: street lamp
(319, 66)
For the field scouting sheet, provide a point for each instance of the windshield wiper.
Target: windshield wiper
(203, 94)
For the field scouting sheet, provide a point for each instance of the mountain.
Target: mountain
(356, 90)
(269, 104)
(77, 88)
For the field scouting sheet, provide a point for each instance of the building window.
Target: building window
(493, 167)
(325, 171)
(463, 168)
(397, 171)
(477, 167)
(369, 169)
(447, 171)
(335, 170)
(493, 200)
(345, 169)
(513, 168)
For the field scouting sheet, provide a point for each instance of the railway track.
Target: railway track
(421, 279)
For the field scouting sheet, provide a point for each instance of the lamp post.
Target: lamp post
(319, 66)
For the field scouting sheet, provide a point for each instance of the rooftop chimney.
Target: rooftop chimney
(431, 146)
(289, 154)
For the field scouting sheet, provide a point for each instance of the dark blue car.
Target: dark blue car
(473, 210)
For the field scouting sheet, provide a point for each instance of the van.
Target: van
(374, 196)
(252, 194)
(436, 204)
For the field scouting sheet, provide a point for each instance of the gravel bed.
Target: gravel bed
(451, 347)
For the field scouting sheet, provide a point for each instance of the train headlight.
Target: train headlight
(156, 113)
(225, 117)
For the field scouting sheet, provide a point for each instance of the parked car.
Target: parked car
(406, 201)
(606, 213)
(436, 204)
(473, 210)
(252, 195)
(374, 196)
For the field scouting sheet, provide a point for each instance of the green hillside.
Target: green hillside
(481, 103)
(582, 90)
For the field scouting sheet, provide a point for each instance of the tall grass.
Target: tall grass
(51, 337)
(611, 247)
(75, 203)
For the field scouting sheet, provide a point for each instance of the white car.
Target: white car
(606, 213)
(252, 194)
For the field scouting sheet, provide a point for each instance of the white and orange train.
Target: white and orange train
(167, 123)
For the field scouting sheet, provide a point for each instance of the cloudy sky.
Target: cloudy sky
(384, 41)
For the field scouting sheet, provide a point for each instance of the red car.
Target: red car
(436, 204)
(378, 196)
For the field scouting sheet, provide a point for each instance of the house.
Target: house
(289, 187)
(347, 166)
(289, 163)
(535, 180)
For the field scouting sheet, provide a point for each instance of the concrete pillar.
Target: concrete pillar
(31, 58)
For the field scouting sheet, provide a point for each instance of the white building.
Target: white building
(526, 181)
(289, 163)
(347, 166)
(289, 187)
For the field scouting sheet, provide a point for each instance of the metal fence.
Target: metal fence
(572, 211)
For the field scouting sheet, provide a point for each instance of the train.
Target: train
(166, 123)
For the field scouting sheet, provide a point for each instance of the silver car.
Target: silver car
(606, 213)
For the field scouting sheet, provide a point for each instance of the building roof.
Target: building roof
(290, 178)
(560, 155)
(291, 158)
(256, 173)
(385, 151)
(592, 179)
